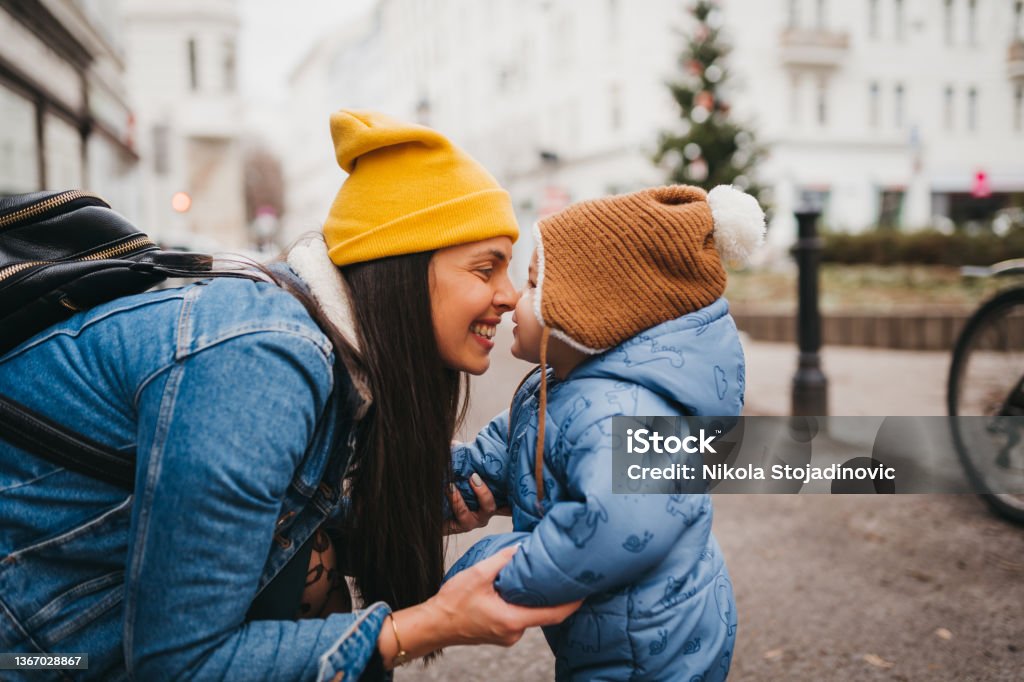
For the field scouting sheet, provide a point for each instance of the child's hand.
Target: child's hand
(465, 519)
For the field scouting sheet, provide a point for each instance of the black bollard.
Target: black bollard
(810, 387)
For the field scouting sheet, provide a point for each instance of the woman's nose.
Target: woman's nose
(506, 296)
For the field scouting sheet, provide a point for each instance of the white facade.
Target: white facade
(182, 76)
(906, 100)
(509, 81)
(66, 119)
(563, 100)
(334, 65)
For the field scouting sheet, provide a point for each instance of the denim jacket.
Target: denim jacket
(226, 390)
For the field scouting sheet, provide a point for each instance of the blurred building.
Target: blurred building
(66, 121)
(893, 113)
(900, 113)
(553, 97)
(340, 62)
(182, 72)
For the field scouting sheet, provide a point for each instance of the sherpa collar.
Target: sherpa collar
(311, 263)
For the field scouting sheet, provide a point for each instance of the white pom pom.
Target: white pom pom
(739, 223)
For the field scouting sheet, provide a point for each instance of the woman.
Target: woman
(254, 428)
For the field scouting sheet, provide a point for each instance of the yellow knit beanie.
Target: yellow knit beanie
(408, 190)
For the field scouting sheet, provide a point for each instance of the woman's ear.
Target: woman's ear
(431, 275)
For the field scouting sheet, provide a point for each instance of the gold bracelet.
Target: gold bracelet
(401, 658)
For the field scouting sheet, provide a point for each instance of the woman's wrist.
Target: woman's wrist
(423, 628)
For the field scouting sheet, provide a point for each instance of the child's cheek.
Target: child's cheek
(516, 351)
(526, 346)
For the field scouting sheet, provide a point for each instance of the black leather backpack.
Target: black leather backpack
(63, 252)
(60, 253)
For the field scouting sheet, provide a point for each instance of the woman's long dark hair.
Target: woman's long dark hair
(402, 462)
(403, 458)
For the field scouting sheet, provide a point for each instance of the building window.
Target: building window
(1018, 108)
(947, 21)
(572, 112)
(972, 22)
(62, 144)
(161, 149)
(793, 20)
(193, 64)
(794, 99)
(890, 206)
(898, 19)
(525, 63)
(898, 106)
(562, 40)
(820, 15)
(873, 19)
(613, 21)
(111, 172)
(1018, 20)
(873, 105)
(616, 107)
(230, 75)
(441, 48)
(947, 108)
(19, 144)
(822, 104)
(972, 109)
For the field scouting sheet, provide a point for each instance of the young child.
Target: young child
(624, 306)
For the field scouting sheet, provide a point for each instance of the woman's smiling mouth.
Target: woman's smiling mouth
(484, 331)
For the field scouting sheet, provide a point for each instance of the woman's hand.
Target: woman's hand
(479, 615)
(465, 519)
(467, 610)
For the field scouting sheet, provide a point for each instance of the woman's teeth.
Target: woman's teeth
(485, 330)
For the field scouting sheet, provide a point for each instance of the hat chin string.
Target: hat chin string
(539, 460)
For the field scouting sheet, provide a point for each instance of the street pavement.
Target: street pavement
(903, 587)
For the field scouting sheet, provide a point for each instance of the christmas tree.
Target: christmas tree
(707, 148)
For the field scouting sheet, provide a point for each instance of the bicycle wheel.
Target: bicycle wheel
(987, 379)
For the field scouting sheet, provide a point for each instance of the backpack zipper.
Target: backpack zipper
(112, 252)
(44, 206)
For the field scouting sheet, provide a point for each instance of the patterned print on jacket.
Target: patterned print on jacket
(658, 600)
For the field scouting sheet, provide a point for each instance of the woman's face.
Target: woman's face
(469, 292)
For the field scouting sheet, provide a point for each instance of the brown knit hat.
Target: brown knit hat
(610, 268)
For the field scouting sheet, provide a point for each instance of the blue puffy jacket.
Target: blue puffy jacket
(659, 602)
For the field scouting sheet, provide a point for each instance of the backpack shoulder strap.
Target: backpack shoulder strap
(44, 437)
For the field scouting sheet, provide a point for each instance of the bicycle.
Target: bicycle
(986, 378)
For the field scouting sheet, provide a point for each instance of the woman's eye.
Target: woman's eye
(486, 272)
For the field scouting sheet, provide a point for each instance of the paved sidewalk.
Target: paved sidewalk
(910, 587)
(862, 381)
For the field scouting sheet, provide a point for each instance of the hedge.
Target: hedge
(927, 247)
